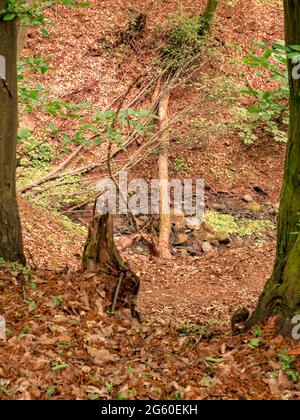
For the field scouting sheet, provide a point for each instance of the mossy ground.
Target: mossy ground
(241, 227)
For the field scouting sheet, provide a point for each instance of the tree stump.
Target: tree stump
(101, 255)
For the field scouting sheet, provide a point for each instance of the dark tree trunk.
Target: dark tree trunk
(281, 296)
(11, 247)
(101, 254)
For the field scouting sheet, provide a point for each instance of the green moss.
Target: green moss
(71, 226)
(30, 174)
(56, 193)
(241, 227)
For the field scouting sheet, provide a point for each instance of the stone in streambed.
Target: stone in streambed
(193, 223)
(181, 239)
(206, 247)
(222, 237)
(247, 197)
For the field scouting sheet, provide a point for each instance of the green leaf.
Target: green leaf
(53, 128)
(259, 44)
(280, 46)
(45, 33)
(214, 360)
(250, 92)
(255, 110)
(295, 47)
(57, 368)
(262, 103)
(266, 95)
(293, 55)
(254, 343)
(51, 390)
(9, 16)
(267, 53)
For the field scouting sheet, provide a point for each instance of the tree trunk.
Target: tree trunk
(281, 296)
(208, 15)
(22, 32)
(101, 254)
(11, 247)
(163, 170)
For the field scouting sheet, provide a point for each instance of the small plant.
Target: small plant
(182, 165)
(179, 394)
(183, 40)
(17, 269)
(286, 364)
(257, 331)
(58, 301)
(51, 391)
(188, 330)
(206, 380)
(57, 365)
(130, 370)
(271, 106)
(254, 343)
(109, 387)
(31, 305)
(26, 330)
(157, 390)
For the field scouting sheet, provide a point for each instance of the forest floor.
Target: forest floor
(60, 344)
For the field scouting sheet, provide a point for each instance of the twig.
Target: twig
(113, 308)
(82, 204)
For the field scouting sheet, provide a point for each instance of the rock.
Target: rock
(178, 219)
(208, 236)
(247, 197)
(254, 207)
(195, 234)
(211, 238)
(206, 247)
(193, 223)
(219, 207)
(142, 221)
(209, 227)
(181, 239)
(191, 251)
(223, 237)
(273, 212)
(121, 228)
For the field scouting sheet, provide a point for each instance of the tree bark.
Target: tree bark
(101, 254)
(21, 39)
(22, 32)
(281, 296)
(11, 247)
(163, 170)
(208, 15)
